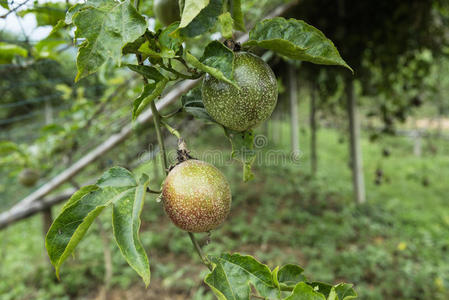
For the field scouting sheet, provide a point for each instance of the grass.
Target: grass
(393, 247)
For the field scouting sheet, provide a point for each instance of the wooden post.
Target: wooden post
(313, 154)
(417, 143)
(293, 95)
(355, 149)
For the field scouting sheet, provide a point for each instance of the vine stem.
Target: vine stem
(160, 140)
(157, 123)
(171, 129)
(198, 249)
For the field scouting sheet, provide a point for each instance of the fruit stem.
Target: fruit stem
(167, 116)
(233, 45)
(171, 129)
(198, 249)
(183, 152)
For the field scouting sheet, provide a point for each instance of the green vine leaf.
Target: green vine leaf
(150, 92)
(205, 20)
(107, 26)
(191, 9)
(303, 291)
(71, 225)
(243, 150)
(295, 39)
(149, 72)
(133, 47)
(239, 277)
(73, 11)
(46, 14)
(226, 24)
(341, 291)
(217, 60)
(164, 46)
(117, 187)
(289, 275)
(4, 4)
(169, 42)
(9, 51)
(192, 103)
(146, 49)
(344, 291)
(126, 224)
(8, 148)
(233, 274)
(237, 15)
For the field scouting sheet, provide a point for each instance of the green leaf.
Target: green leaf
(302, 291)
(217, 60)
(47, 48)
(133, 47)
(191, 9)
(9, 51)
(323, 288)
(205, 20)
(295, 39)
(8, 148)
(192, 103)
(237, 14)
(341, 291)
(46, 14)
(150, 92)
(126, 224)
(72, 12)
(148, 72)
(165, 45)
(345, 291)
(71, 225)
(4, 4)
(162, 53)
(167, 41)
(116, 187)
(243, 150)
(233, 274)
(107, 26)
(116, 177)
(226, 23)
(289, 275)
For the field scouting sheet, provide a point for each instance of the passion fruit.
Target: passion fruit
(196, 196)
(247, 107)
(166, 11)
(28, 177)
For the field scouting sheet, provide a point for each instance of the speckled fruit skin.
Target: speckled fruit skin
(242, 109)
(166, 11)
(28, 177)
(196, 196)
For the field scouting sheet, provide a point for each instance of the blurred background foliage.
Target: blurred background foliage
(392, 247)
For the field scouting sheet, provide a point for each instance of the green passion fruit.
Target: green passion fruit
(166, 11)
(244, 108)
(196, 196)
(28, 177)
